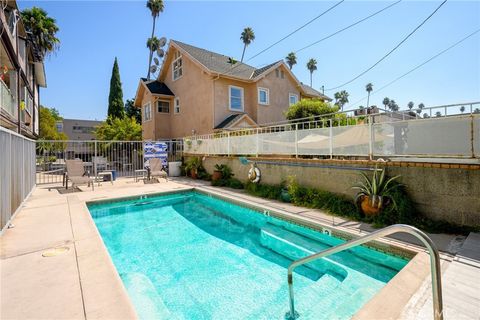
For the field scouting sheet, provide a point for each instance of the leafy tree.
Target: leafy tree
(341, 98)
(438, 114)
(115, 98)
(47, 124)
(247, 36)
(155, 7)
(385, 102)
(477, 110)
(425, 115)
(132, 111)
(311, 66)
(410, 105)
(306, 108)
(43, 29)
(291, 59)
(123, 129)
(462, 109)
(369, 88)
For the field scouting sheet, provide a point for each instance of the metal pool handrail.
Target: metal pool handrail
(434, 263)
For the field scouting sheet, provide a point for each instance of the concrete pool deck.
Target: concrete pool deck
(82, 282)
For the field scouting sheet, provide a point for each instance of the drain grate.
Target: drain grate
(55, 252)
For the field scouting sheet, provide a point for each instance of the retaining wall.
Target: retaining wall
(448, 192)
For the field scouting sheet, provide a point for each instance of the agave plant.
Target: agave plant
(374, 190)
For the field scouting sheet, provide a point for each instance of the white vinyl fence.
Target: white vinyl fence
(17, 172)
(451, 136)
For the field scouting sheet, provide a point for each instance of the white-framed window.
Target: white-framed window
(263, 96)
(292, 98)
(163, 106)
(177, 67)
(235, 97)
(176, 105)
(147, 112)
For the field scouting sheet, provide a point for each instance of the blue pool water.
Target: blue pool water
(193, 256)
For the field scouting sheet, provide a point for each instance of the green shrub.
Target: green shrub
(234, 183)
(264, 190)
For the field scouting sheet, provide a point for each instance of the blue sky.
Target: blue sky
(92, 33)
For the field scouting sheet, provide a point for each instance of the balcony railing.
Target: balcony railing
(7, 101)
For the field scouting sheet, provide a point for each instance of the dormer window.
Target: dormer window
(177, 66)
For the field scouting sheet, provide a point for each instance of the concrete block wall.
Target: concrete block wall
(448, 192)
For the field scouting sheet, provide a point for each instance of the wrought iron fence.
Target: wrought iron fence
(369, 135)
(122, 158)
(17, 172)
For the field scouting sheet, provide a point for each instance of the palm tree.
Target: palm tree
(392, 105)
(311, 66)
(462, 109)
(153, 44)
(386, 101)
(343, 98)
(247, 37)
(410, 105)
(420, 107)
(42, 28)
(155, 7)
(337, 97)
(291, 59)
(369, 88)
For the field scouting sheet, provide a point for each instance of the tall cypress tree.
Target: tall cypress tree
(115, 98)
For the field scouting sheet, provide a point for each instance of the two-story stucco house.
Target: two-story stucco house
(199, 91)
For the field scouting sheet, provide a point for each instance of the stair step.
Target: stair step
(295, 246)
(148, 303)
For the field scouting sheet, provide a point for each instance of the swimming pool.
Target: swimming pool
(190, 255)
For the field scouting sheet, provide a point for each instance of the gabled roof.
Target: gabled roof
(309, 91)
(222, 65)
(230, 119)
(233, 120)
(259, 71)
(157, 87)
(217, 63)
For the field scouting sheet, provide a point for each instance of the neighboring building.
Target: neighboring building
(199, 91)
(22, 74)
(78, 129)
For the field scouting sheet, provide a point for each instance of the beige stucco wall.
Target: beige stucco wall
(279, 96)
(222, 102)
(195, 91)
(148, 127)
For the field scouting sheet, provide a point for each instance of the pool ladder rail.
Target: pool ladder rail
(434, 264)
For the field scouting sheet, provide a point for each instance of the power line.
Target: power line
(348, 27)
(420, 65)
(287, 36)
(296, 30)
(391, 51)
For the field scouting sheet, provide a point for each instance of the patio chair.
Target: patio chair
(156, 169)
(100, 163)
(77, 174)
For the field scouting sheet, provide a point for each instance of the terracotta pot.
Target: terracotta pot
(367, 207)
(193, 174)
(217, 175)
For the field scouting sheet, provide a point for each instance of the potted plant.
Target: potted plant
(217, 173)
(192, 165)
(373, 194)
